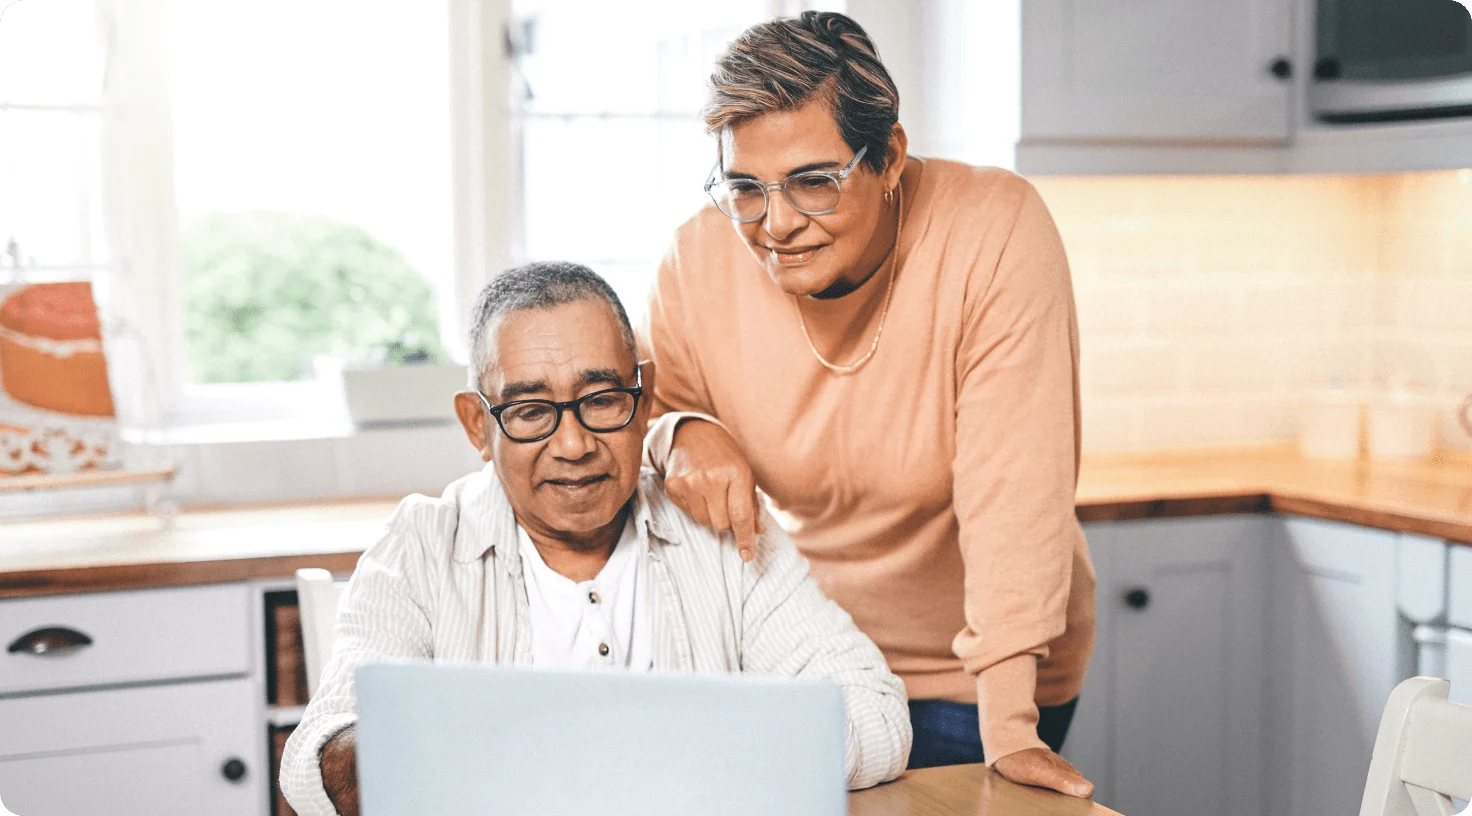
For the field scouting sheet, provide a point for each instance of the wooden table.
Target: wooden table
(965, 790)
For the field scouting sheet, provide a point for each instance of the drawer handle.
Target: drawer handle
(53, 640)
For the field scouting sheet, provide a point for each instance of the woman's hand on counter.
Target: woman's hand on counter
(1042, 768)
(708, 477)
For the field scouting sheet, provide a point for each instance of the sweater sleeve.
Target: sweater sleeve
(1016, 470)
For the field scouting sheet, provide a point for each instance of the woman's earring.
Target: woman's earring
(889, 198)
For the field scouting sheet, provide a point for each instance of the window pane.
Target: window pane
(630, 281)
(49, 187)
(312, 172)
(50, 53)
(611, 189)
(614, 156)
(633, 56)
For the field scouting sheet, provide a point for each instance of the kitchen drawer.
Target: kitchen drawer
(179, 749)
(145, 636)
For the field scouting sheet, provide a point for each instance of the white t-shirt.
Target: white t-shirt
(602, 623)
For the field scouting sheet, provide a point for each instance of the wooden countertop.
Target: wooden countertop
(134, 551)
(965, 790)
(1432, 498)
(238, 544)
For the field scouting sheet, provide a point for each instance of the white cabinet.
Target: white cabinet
(1459, 630)
(1188, 681)
(1170, 719)
(109, 638)
(1189, 71)
(1195, 87)
(147, 702)
(154, 751)
(1336, 651)
(1089, 735)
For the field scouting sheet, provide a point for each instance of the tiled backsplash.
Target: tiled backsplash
(1212, 308)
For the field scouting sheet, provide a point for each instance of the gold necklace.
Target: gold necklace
(889, 293)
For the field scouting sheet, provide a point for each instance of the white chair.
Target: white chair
(317, 595)
(1423, 753)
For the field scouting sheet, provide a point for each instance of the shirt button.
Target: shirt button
(603, 649)
(593, 597)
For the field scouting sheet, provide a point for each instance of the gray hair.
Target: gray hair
(538, 285)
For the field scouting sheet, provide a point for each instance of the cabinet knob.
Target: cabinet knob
(1282, 68)
(233, 769)
(1137, 598)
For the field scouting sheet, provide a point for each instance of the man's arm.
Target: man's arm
(790, 628)
(340, 770)
(381, 616)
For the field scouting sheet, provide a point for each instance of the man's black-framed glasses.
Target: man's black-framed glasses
(533, 420)
(813, 193)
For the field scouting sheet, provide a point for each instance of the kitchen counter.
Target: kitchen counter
(1432, 498)
(240, 544)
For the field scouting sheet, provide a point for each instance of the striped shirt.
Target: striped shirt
(445, 582)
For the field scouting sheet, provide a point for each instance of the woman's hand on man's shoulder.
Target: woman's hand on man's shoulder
(709, 478)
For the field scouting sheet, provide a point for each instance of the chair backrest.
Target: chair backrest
(317, 594)
(1423, 753)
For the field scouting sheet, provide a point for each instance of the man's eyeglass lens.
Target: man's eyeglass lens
(603, 411)
(746, 200)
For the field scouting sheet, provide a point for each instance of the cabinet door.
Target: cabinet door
(1087, 746)
(1335, 648)
(153, 751)
(1188, 675)
(1156, 70)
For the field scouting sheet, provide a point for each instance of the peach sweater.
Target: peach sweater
(933, 489)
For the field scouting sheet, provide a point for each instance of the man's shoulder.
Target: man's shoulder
(671, 523)
(664, 515)
(691, 537)
(431, 526)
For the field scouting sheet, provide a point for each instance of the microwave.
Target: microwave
(1391, 61)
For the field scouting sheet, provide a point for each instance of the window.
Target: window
(255, 154)
(51, 72)
(311, 164)
(613, 152)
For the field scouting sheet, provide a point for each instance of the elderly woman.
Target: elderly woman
(886, 346)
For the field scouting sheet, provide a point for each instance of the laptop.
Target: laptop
(475, 739)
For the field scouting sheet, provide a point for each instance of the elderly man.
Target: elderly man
(562, 553)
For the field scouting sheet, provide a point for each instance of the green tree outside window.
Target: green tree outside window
(267, 292)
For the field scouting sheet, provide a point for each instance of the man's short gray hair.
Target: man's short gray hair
(539, 285)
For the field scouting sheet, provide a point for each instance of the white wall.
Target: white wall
(956, 64)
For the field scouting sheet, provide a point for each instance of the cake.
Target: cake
(51, 350)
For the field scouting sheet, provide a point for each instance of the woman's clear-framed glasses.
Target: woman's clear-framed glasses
(812, 193)
(533, 420)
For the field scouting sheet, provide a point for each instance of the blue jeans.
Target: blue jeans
(948, 733)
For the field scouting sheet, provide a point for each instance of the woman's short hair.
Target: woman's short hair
(783, 64)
